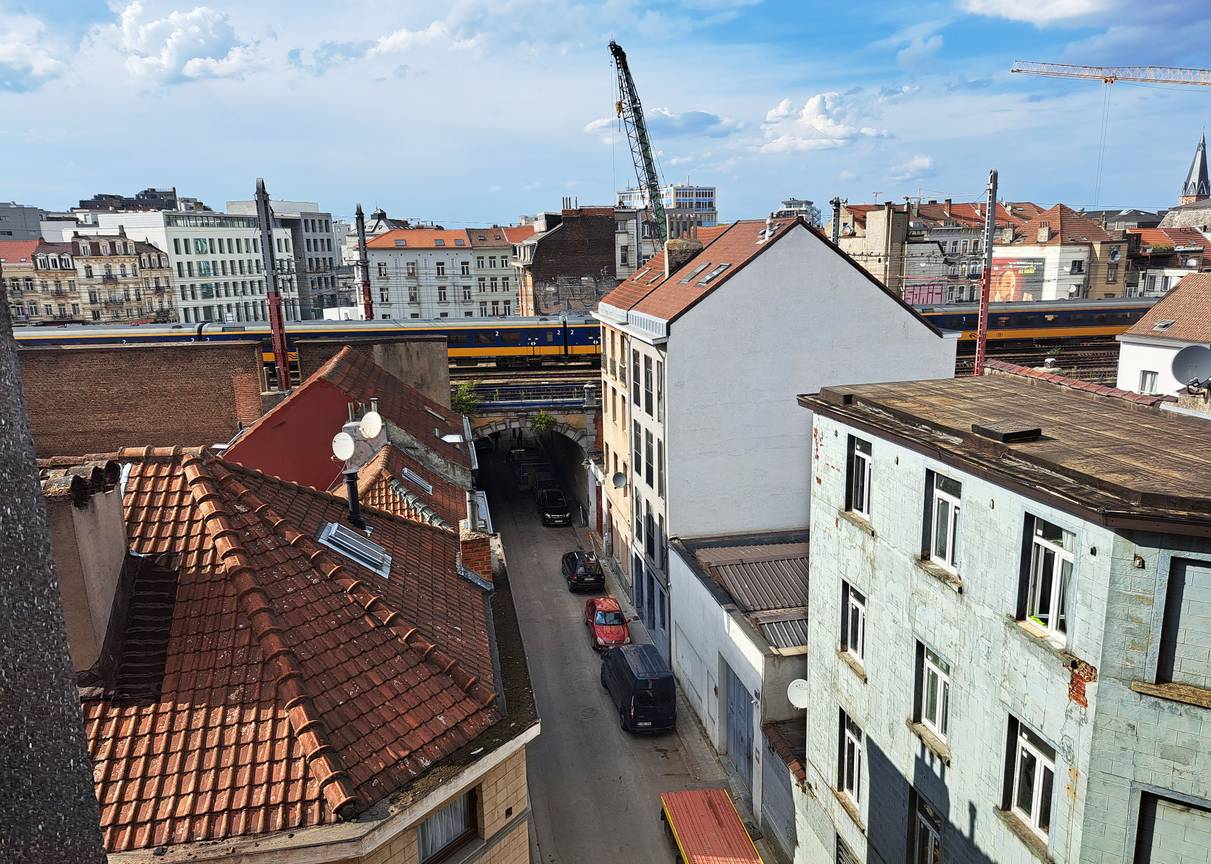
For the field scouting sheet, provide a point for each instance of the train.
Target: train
(516, 341)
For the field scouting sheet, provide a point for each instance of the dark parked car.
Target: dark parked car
(553, 508)
(641, 688)
(582, 571)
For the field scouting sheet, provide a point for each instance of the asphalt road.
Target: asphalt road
(594, 789)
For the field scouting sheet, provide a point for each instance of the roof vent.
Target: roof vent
(356, 548)
(1007, 432)
(420, 481)
(1164, 325)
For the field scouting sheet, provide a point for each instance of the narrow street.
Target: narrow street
(594, 789)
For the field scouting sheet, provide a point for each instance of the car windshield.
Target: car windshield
(610, 618)
(554, 499)
(591, 567)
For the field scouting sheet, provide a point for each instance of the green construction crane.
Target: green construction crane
(631, 111)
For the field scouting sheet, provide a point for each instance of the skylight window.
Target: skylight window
(420, 481)
(400, 243)
(1163, 325)
(690, 278)
(641, 273)
(356, 547)
(439, 242)
(458, 242)
(434, 413)
(713, 274)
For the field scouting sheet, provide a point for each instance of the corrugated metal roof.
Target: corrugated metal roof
(707, 827)
(786, 634)
(760, 577)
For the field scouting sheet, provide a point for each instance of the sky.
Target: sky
(477, 111)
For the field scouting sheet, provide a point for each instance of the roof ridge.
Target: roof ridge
(320, 755)
(359, 591)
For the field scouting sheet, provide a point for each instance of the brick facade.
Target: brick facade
(579, 248)
(96, 400)
(476, 550)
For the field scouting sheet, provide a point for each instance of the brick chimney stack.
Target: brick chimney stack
(475, 552)
(677, 251)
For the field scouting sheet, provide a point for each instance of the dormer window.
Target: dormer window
(439, 242)
(104, 248)
(85, 249)
(690, 276)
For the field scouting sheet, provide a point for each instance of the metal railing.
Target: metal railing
(519, 396)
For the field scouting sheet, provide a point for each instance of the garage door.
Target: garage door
(777, 801)
(1172, 833)
(739, 726)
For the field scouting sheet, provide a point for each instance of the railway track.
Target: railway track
(1096, 363)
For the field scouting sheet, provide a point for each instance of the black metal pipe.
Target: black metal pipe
(355, 507)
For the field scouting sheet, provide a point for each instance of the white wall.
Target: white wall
(799, 317)
(1135, 357)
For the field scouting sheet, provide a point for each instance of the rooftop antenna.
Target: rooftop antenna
(273, 297)
(359, 439)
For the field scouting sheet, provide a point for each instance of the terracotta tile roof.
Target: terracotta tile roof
(1187, 305)
(517, 233)
(420, 238)
(1065, 226)
(1176, 238)
(18, 251)
(967, 214)
(499, 235)
(292, 440)
(80, 480)
(1073, 383)
(265, 682)
(382, 483)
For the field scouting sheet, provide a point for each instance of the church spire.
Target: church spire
(1197, 187)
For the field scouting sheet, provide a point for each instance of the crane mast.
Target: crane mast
(1110, 74)
(631, 112)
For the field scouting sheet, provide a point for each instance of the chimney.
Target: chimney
(1044, 233)
(475, 552)
(677, 251)
(88, 539)
(946, 207)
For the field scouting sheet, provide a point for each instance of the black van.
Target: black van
(641, 687)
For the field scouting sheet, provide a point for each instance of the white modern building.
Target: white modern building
(422, 273)
(1009, 625)
(1147, 349)
(315, 245)
(686, 206)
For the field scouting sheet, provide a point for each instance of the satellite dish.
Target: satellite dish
(343, 446)
(1192, 366)
(798, 693)
(619, 479)
(370, 425)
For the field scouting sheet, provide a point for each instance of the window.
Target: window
(927, 845)
(441, 268)
(660, 468)
(660, 390)
(439, 242)
(1147, 382)
(450, 826)
(1030, 775)
(492, 282)
(649, 474)
(410, 268)
(844, 854)
(467, 293)
(623, 255)
(382, 269)
(849, 762)
(1111, 272)
(441, 294)
(638, 447)
(638, 529)
(853, 621)
(413, 294)
(943, 520)
(1183, 645)
(934, 698)
(1077, 266)
(635, 376)
(857, 484)
(647, 385)
(479, 262)
(1049, 576)
(465, 268)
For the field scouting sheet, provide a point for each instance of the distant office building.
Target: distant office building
(316, 249)
(20, 221)
(148, 199)
(685, 206)
(792, 207)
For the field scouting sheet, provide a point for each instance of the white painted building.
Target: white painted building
(422, 273)
(686, 206)
(315, 246)
(1147, 349)
(718, 349)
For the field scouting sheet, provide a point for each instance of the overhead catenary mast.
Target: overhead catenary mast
(990, 228)
(273, 297)
(363, 265)
(630, 111)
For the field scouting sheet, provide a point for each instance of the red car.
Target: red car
(606, 623)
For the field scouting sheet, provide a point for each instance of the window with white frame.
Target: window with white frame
(1030, 777)
(853, 621)
(1049, 577)
(857, 484)
(927, 845)
(450, 826)
(849, 760)
(934, 699)
(1147, 382)
(945, 497)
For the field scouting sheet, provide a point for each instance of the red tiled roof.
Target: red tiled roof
(381, 483)
(420, 238)
(18, 251)
(967, 214)
(1187, 305)
(293, 439)
(1073, 383)
(1177, 238)
(517, 233)
(1065, 226)
(284, 686)
(499, 235)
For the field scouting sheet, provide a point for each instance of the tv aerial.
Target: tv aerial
(1192, 368)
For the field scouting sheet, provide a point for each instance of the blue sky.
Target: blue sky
(470, 111)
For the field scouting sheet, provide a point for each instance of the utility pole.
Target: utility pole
(273, 297)
(990, 228)
(363, 263)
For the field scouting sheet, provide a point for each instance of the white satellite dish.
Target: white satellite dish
(1192, 366)
(798, 693)
(371, 424)
(343, 446)
(619, 479)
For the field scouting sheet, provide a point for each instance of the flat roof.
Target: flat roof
(1111, 457)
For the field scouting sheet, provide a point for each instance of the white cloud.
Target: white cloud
(1040, 13)
(919, 49)
(825, 122)
(183, 46)
(28, 56)
(912, 168)
(846, 174)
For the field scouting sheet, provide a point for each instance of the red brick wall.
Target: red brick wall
(97, 400)
(476, 551)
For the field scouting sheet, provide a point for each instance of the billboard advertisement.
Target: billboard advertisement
(1017, 279)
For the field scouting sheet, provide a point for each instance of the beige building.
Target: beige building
(616, 448)
(1060, 255)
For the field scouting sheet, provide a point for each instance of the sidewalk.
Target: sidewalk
(704, 764)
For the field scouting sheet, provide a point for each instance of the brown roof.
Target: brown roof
(1074, 383)
(970, 215)
(1175, 238)
(788, 738)
(383, 483)
(499, 235)
(420, 238)
(1187, 306)
(1098, 453)
(1065, 226)
(266, 683)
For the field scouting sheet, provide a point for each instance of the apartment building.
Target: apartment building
(316, 248)
(1158, 258)
(1007, 619)
(216, 260)
(492, 268)
(422, 273)
(1060, 255)
(634, 241)
(568, 263)
(40, 279)
(686, 206)
(1178, 320)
